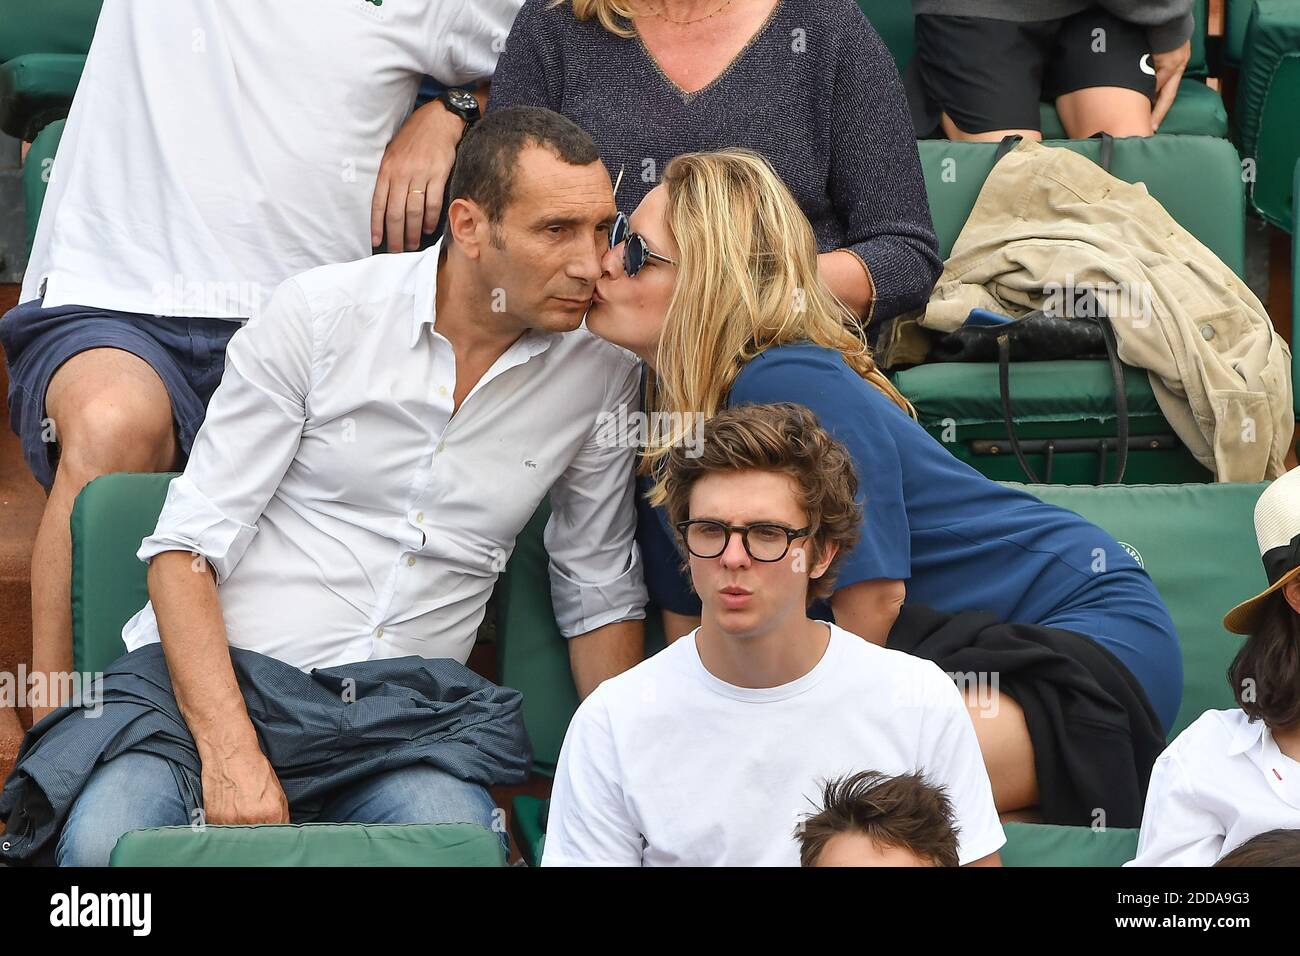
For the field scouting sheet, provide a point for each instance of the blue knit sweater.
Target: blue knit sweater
(816, 92)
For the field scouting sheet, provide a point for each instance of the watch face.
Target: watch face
(462, 100)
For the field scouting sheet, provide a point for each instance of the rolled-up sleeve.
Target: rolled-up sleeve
(595, 565)
(249, 438)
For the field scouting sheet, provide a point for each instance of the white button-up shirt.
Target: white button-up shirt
(349, 515)
(1221, 782)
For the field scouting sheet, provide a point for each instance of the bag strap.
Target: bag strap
(1117, 386)
(1004, 391)
(1009, 142)
(1107, 148)
(1121, 396)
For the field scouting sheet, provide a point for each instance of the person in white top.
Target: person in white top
(384, 430)
(213, 149)
(712, 751)
(1234, 774)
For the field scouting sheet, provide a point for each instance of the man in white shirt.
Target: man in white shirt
(712, 751)
(212, 150)
(384, 430)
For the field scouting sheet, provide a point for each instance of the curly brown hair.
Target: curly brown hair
(786, 439)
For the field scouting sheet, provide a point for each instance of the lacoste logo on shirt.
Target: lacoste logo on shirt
(529, 463)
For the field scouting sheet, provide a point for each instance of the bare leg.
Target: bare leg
(111, 413)
(1114, 109)
(993, 136)
(678, 625)
(1008, 753)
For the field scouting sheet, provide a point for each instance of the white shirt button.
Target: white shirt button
(379, 632)
(410, 561)
(419, 517)
(442, 389)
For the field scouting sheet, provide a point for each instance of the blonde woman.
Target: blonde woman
(713, 282)
(806, 83)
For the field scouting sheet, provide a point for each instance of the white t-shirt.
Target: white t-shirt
(215, 148)
(1222, 781)
(666, 765)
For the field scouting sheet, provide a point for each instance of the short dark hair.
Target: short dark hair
(783, 438)
(1274, 848)
(904, 811)
(489, 153)
(1265, 674)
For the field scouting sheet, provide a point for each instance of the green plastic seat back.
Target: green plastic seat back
(36, 174)
(47, 26)
(1042, 844)
(1214, 212)
(1236, 20)
(110, 518)
(35, 90)
(311, 844)
(1268, 103)
(1197, 542)
(1198, 65)
(894, 22)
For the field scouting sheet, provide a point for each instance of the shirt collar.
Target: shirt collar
(1246, 736)
(424, 286)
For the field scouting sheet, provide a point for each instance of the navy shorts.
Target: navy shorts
(991, 74)
(189, 356)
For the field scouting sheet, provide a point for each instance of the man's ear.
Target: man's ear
(825, 555)
(468, 226)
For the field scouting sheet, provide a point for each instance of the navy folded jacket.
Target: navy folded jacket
(320, 731)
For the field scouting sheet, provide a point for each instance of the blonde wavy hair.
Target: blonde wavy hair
(614, 15)
(747, 281)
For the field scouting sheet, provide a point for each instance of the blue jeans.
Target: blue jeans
(138, 790)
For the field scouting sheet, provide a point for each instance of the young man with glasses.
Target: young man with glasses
(711, 752)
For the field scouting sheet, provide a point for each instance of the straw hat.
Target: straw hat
(1277, 529)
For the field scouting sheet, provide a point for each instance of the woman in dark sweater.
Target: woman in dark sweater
(806, 83)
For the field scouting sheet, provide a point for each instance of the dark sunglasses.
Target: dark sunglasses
(635, 253)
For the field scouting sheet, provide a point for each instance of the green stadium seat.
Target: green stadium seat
(1172, 527)
(1198, 110)
(311, 844)
(37, 89)
(110, 518)
(42, 51)
(36, 174)
(1236, 22)
(1073, 400)
(1268, 102)
(1041, 844)
(528, 823)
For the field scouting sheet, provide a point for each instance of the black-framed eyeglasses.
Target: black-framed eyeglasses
(635, 253)
(763, 541)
